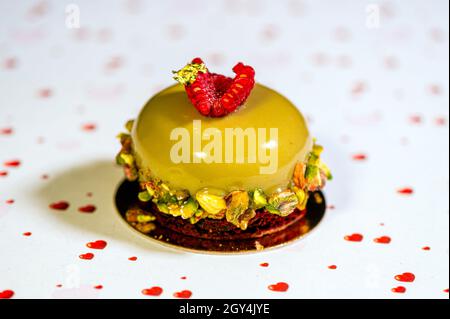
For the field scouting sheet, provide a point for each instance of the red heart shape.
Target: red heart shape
(87, 256)
(98, 244)
(6, 294)
(280, 287)
(405, 277)
(61, 205)
(6, 131)
(399, 289)
(354, 237)
(383, 240)
(359, 157)
(154, 291)
(13, 163)
(405, 191)
(87, 209)
(185, 294)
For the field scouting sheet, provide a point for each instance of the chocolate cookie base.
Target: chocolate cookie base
(264, 231)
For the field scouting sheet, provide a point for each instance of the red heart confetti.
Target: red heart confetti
(332, 267)
(183, 278)
(87, 256)
(45, 93)
(359, 157)
(426, 248)
(6, 131)
(6, 294)
(280, 287)
(27, 234)
(61, 205)
(405, 277)
(89, 127)
(9, 201)
(87, 209)
(59, 286)
(98, 287)
(12, 163)
(399, 290)
(98, 244)
(359, 88)
(446, 290)
(184, 294)
(134, 258)
(435, 89)
(354, 237)
(415, 119)
(440, 121)
(10, 63)
(154, 291)
(383, 240)
(3, 173)
(405, 191)
(264, 264)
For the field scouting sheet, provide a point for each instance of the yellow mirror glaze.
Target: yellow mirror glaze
(171, 109)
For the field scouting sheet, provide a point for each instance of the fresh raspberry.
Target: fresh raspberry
(197, 61)
(214, 94)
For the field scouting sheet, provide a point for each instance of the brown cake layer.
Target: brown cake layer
(264, 231)
(262, 224)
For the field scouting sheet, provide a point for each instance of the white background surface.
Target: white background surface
(317, 53)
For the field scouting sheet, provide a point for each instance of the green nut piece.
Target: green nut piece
(259, 199)
(144, 196)
(211, 203)
(302, 198)
(189, 209)
(163, 208)
(145, 218)
(237, 205)
(182, 195)
(282, 203)
(129, 125)
(145, 228)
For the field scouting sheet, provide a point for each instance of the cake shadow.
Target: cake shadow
(94, 183)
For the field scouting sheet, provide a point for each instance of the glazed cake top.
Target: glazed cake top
(170, 114)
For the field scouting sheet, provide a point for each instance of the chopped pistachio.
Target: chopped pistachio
(145, 228)
(132, 214)
(129, 125)
(145, 218)
(144, 196)
(237, 204)
(128, 159)
(182, 195)
(282, 203)
(245, 218)
(163, 208)
(213, 204)
(259, 198)
(302, 198)
(174, 210)
(189, 209)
